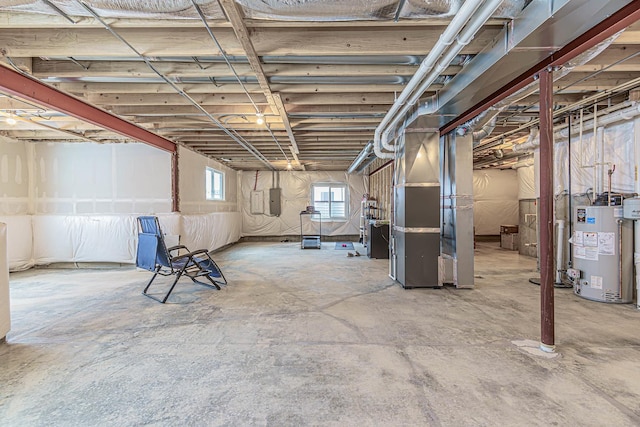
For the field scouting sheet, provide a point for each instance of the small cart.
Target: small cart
(310, 241)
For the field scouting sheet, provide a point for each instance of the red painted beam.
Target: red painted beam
(25, 87)
(381, 167)
(605, 29)
(546, 211)
(175, 183)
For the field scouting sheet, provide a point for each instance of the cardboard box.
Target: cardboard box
(509, 241)
(508, 229)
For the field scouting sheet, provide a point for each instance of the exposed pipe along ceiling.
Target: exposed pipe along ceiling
(342, 86)
(333, 98)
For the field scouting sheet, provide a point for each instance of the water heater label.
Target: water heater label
(596, 282)
(582, 213)
(591, 220)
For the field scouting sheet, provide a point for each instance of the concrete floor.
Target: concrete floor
(313, 338)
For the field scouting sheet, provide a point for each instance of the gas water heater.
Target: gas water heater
(602, 254)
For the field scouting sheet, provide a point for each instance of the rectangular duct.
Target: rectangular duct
(416, 231)
(456, 263)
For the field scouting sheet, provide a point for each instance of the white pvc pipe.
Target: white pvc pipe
(636, 223)
(427, 107)
(560, 251)
(636, 258)
(585, 125)
(596, 157)
(599, 165)
(5, 316)
(446, 38)
(463, 38)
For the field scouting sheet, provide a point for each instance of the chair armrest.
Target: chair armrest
(174, 248)
(190, 254)
(198, 252)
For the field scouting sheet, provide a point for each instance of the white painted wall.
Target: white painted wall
(192, 167)
(14, 177)
(296, 195)
(88, 178)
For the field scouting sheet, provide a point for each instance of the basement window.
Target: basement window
(214, 184)
(331, 200)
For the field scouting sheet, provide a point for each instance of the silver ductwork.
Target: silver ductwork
(366, 152)
(460, 31)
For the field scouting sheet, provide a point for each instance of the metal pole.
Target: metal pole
(175, 183)
(547, 342)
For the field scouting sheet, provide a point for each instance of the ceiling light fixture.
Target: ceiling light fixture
(289, 166)
(259, 118)
(11, 120)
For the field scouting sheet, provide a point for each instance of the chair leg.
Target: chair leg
(172, 286)
(216, 283)
(152, 279)
(212, 281)
(224, 279)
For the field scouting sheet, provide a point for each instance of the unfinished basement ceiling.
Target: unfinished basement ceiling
(323, 73)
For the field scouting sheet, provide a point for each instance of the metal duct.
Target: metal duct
(485, 121)
(485, 130)
(366, 151)
(529, 144)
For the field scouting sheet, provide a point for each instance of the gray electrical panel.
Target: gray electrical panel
(274, 201)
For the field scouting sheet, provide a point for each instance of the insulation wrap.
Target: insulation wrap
(288, 10)
(5, 318)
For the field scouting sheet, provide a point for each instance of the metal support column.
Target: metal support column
(547, 342)
(175, 183)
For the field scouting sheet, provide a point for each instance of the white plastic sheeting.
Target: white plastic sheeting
(526, 183)
(192, 168)
(5, 316)
(45, 239)
(495, 200)
(19, 241)
(296, 195)
(83, 238)
(211, 231)
(591, 157)
(616, 147)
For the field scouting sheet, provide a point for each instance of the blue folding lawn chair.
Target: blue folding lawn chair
(153, 255)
